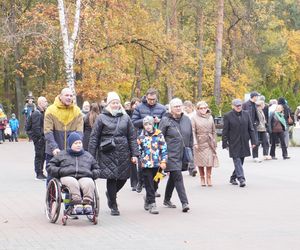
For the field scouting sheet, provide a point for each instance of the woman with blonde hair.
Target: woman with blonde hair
(205, 143)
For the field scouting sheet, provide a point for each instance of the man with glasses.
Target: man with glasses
(237, 131)
(148, 107)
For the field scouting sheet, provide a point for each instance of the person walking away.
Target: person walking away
(35, 130)
(237, 131)
(148, 106)
(153, 151)
(76, 169)
(287, 116)
(250, 106)
(205, 142)
(277, 127)
(114, 139)
(262, 130)
(14, 125)
(88, 123)
(177, 130)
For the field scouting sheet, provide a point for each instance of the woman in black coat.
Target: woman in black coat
(177, 130)
(114, 161)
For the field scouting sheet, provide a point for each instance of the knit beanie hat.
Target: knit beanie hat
(74, 136)
(112, 96)
(148, 120)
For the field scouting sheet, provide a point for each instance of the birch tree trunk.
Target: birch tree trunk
(218, 63)
(69, 41)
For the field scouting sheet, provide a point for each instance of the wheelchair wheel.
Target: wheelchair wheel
(96, 207)
(53, 200)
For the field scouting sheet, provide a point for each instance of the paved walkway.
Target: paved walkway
(264, 215)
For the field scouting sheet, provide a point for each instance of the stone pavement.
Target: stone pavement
(264, 215)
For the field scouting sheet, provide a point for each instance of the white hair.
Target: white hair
(175, 102)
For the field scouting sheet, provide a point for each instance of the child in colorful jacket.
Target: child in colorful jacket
(14, 125)
(154, 156)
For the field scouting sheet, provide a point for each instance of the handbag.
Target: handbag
(109, 144)
(290, 120)
(187, 151)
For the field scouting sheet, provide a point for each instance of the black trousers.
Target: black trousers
(275, 137)
(113, 186)
(238, 172)
(176, 181)
(150, 185)
(255, 149)
(39, 158)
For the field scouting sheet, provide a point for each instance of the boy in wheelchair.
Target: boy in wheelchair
(76, 170)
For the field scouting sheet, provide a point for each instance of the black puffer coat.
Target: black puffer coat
(114, 164)
(173, 139)
(63, 164)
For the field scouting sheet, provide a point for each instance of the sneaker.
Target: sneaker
(41, 177)
(267, 157)
(242, 184)
(78, 209)
(153, 209)
(133, 188)
(139, 187)
(157, 195)
(1, 142)
(286, 157)
(257, 160)
(185, 207)
(233, 182)
(146, 204)
(169, 204)
(114, 210)
(88, 209)
(274, 158)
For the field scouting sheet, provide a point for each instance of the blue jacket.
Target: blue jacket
(153, 149)
(144, 109)
(14, 124)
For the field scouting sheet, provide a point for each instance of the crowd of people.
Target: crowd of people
(144, 140)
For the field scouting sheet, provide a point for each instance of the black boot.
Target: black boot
(114, 210)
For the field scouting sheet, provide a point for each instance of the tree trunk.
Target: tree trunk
(200, 39)
(69, 41)
(16, 51)
(218, 62)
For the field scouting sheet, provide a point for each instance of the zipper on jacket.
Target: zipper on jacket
(65, 137)
(76, 164)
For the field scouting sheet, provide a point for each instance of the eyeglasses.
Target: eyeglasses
(150, 99)
(202, 108)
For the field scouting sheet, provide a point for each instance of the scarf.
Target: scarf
(280, 117)
(75, 153)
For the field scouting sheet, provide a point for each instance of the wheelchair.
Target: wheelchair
(57, 194)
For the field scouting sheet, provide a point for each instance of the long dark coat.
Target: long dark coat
(173, 139)
(87, 130)
(237, 132)
(115, 164)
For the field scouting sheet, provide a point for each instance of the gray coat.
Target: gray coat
(116, 163)
(174, 140)
(237, 131)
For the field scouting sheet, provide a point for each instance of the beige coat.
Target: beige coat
(204, 133)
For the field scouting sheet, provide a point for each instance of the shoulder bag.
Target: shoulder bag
(109, 144)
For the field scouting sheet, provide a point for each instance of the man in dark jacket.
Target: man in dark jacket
(148, 107)
(237, 131)
(287, 113)
(35, 129)
(250, 107)
(177, 130)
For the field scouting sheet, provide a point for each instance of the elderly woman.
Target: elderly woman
(177, 130)
(205, 143)
(114, 139)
